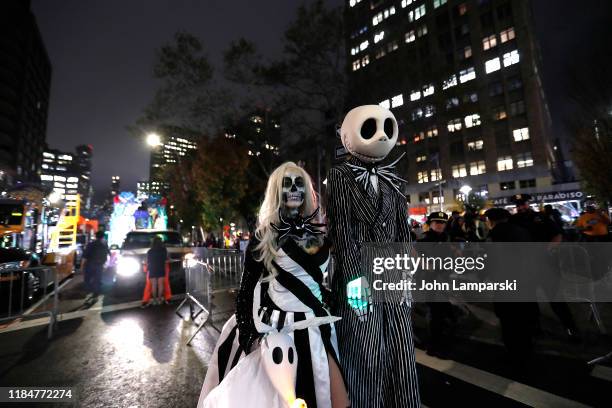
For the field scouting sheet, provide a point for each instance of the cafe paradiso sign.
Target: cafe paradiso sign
(545, 197)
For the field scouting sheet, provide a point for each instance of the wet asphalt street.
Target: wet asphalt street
(115, 354)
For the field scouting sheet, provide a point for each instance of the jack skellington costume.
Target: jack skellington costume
(280, 301)
(365, 204)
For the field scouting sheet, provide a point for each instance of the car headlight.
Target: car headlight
(127, 266)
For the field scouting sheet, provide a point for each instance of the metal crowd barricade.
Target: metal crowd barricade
(14, 290)
(209, 272)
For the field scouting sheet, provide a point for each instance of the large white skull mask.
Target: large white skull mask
(369, 132)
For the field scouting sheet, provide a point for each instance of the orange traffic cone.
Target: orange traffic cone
(146, 296)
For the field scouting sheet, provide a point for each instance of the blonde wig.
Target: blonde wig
(268, 213)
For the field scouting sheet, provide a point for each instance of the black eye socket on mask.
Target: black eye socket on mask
(299, 182)
(368, 129)
(287, 182)
(389, 127)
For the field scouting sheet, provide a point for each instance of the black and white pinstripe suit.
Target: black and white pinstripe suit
(377, 354)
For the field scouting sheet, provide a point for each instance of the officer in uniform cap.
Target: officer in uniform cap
(439, 312)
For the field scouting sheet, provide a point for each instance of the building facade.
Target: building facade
(59, 174)
(463, 80)
(83, 163)
(173, 144)
(115, 185)
(25, 78)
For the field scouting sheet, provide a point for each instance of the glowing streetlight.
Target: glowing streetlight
(54, 197)
(153, 139)
(465, 190)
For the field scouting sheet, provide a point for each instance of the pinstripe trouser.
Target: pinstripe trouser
(377, 356)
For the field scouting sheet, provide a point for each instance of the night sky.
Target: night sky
(102, 54)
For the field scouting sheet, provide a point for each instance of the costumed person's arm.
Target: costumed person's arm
(403, 222)
(339, 226)
(253, 270)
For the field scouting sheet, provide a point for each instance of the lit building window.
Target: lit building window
(421, 158)
(511, 58)
(489, 42)
(472, 120)
(383, 15)
(450, 82)
(352, 3)
(507, 35)
(477, 167)
(438, 3)
(432, 131)
(354, 50)
(428, 90)
(499, 113)
(379, 37)
(406, 3)
(459, 171)
(462, 9)
(364, 45)
(46, 177)
(454, 125)
(410, 37)
(524, 160)
(422, 30)
(364, 61)
(504, 163)
(419, 136)
(397, 100)
(452, 102)
(520, 134)
(429, 110)
(380, 53)
(422, 177)
(492, 65)
(466, 75)
(415, 95)
(470, 97)
(416, 114)
(435, 197)
(466, 52)
(414, 15)
(475, 145)
(356, 65)
(436, 174)
(385, 104)
(507, 185)
(392, 46)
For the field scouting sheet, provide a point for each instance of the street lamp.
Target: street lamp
(54, 197)
(465, 190)
(153, 139)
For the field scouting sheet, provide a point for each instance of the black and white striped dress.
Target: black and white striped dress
(295, 294)
(377, 354)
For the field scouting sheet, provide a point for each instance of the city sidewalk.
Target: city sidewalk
(116, 354)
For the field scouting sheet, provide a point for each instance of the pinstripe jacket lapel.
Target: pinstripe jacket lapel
(365, 211)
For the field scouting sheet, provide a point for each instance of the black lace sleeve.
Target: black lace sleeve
(253, 271)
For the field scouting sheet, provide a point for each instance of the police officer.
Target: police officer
(517, 320)
(439, 312)
(542, 229)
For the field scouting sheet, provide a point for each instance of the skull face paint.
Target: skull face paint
(369, 132)
(294, 190)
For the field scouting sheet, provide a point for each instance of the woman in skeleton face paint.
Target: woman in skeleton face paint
(281, 287)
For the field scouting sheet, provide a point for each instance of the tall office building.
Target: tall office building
(115, 185)
(82, 164)
(173, 144)
(463, 79)
(59, 174)
(25, 78)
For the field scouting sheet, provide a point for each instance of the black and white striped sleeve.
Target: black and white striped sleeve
(339, 226)
(403, 222)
